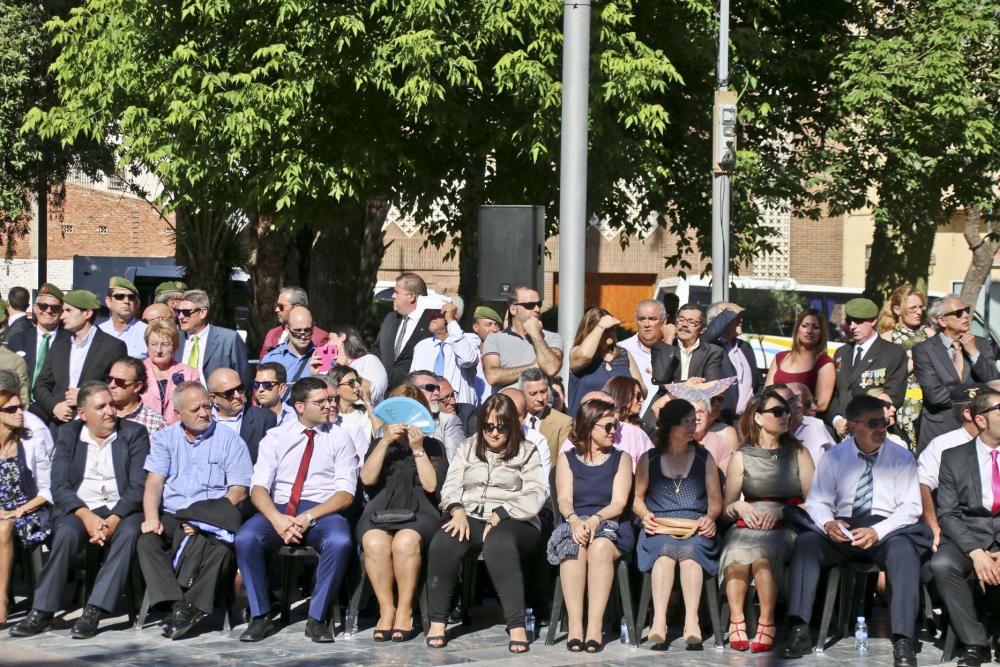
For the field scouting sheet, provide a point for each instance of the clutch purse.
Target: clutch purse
(390, 517)
(680, 529)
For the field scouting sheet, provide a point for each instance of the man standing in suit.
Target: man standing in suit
(208, 347)
(725, 324)
(870, 363)
(288, 298)
(17, 307)
(97, 484)
(953, 357)
(968, 499)
(124, 324)
(403, 328)
(34, 342)
(229, 405)
(85, 355)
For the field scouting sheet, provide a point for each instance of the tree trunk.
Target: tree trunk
(265, 263)
(983, 249)
(898, 255)
(209, 248)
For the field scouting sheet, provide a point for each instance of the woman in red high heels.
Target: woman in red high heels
(771, 469)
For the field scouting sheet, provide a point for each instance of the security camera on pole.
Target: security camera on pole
(723, 162)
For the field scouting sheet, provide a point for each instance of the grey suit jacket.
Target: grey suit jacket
(964, 521)
(223, 349)
(936, 374)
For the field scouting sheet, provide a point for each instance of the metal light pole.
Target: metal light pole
(573, 170)
(723, 139)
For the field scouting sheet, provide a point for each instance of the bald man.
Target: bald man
(531, 435)
(230, 409)
(158, 311)
(296, 352)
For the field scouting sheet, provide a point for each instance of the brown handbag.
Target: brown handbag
(680, 529)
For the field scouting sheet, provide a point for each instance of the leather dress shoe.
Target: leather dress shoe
(86, 626)
(318, 631)
(36, 622)
(973, 656)
(903, 653)
(259, 628)
(799, 643)
(185, 617)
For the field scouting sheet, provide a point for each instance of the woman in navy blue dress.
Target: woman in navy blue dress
(595, 356)
(677, 480)
(593, 481)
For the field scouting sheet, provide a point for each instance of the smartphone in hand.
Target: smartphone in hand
(327, 355)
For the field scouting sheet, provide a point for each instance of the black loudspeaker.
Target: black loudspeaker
(511, 250)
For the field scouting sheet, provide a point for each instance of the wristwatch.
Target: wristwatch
(310, 519)
(420, 452)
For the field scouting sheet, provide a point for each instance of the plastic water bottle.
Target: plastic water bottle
(529, 623)
(624, 633)
(350, 627)
(861, 637)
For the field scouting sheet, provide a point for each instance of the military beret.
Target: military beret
(82, 299)
(964, 393)
(486, 313)
(51, 290)
(170, 286)
(117, 282)
(861, 309)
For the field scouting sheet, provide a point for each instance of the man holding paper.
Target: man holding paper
(403, 328)
(449, 353)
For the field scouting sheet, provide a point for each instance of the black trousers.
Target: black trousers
(155, 557)
(70, 538)
(952, 571)
(896, 554)
(508, 543)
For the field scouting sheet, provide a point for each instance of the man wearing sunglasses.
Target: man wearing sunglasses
(448, 429)
(208, 347)
(864, 505)
(296, 352)
(34, 343)
(403, 328)
(870, 362)
(952, 357)
(170, 293)
(269, 386)
(127, 380)
(230, 409)
(522, 345)
(124, 324)
(288, 298)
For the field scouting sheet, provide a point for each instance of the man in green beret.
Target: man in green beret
(170, 292)
(33, 343)
(87, 354)
(124, 324)
(868, 362)
(485, 321)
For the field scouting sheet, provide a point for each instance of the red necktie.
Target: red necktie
(300, 478)
(996, 482)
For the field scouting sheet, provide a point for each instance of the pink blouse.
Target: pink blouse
(164, 405)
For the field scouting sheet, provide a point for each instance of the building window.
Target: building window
(67, 229)
(102, 229)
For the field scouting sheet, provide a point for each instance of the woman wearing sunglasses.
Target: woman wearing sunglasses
(162, 339)
(593, 481)
(595, 356)
(492, 495)
(24, 488)
(402, 477)
(678, 498)
(352, 402)
(771, 469)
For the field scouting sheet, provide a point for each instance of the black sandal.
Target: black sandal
(513, 644)
(400, 635)
(574, 645)
(381, 635)
(594, 646)
(436, 638)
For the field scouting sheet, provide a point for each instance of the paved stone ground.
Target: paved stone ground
(121, 646)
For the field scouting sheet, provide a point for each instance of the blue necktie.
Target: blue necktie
(439, 362)
(866, 487)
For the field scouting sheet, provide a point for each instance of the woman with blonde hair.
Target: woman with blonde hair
(162, 339)
(596, 357)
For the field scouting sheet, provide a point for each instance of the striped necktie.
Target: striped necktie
(866, 486)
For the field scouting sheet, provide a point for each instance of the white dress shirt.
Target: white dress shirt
(460, 358)
(38, 449)
(186, 354)
(78, 355)
(332, 468)
(356, 433)
(449, 432)
(815, 437)
(542, 443)
(929, 463)
(686, 354)
(98, 488)
(644, 362)
(896, 494)
(412, 320)
(983, 453)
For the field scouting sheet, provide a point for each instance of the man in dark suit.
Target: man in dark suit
(97, 486)
(32, 343)
(968, 499)
(869, 363)
(685, 358)
(725, 324)
(403, 328)
(953, 357)
(17, 307)
(208, 347)
(229, 404)
(85, 355)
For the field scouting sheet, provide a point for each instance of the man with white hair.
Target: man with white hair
(533, 436)
(812, 432)
(449, 353)
(651, 327)
(288, 298)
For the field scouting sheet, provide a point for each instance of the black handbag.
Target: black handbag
(391, 517)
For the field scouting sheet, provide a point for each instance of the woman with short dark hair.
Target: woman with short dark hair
(492, 495)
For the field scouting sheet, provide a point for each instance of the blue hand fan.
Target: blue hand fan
(402, 410)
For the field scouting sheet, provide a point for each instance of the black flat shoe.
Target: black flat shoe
(513, 646)
(259, 628)
(574, 645)
(86, 626)
(798, 644)
(903, 654)
(400, 635)
(594, 646)
(436, 638)
(381, 635)
(183, 619)
(318, 631)
(33, 624)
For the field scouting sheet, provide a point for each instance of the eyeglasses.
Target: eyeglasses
(323, 401)
(12, 409)
(229, 394)
(352, 383)
(121, 383)
(266, 385)
(301, 333)
(54, 308)
(958, 313)
(430, 387)
(609, 427)
(529, 305)
(991, 409)
(874, 422)
(159, 346)
(123, 296)
(490, 427)
(688, 321)
(447, 398)
(186, 312)
(778, 411)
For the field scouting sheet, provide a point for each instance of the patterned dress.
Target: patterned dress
(908, 413)
(31, 528)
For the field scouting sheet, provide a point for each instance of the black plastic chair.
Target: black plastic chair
(227, 594)
(710, 591)
(847, 583)
(362, 581)
(93, 556)
(288, 555)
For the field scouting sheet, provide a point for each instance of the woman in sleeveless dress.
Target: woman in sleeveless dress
(807, 362)
(771, 469)
(677, 480)
(595, 356)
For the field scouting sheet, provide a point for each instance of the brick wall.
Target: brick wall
(817, 251)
